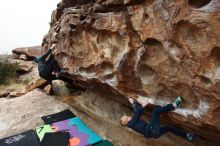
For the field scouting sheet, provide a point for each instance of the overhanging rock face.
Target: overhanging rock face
(154, 48)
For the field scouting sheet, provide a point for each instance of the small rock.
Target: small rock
(16, 94)
(59, 88)
(25, 66)
(4, 94)
(48, 89)
(23, 57)
(36, 83)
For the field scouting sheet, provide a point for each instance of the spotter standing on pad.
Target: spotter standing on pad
(153, 129)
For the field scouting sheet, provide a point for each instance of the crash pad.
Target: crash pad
(40, 131)
(63, 115)
(56, 139)
(104, 143)
(78, 131)
(27, 138)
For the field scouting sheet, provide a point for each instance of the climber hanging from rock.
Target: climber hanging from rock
(152, 129)
(48, 69)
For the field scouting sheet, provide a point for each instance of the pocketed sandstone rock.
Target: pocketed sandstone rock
(59, 88)
(155, 49)
(30, 52)
(38, 82)
(4, 94)
(48, 89)
(16, 94)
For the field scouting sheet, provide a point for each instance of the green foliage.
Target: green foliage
(7, 70)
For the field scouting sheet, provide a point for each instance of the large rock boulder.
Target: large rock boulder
(143, 48)
(4, 93)
(29, 76)
(24, 113)
(28, 52)
(23, 66)
(48, 89)
(16, 94)
(59, 88)
(37, 82)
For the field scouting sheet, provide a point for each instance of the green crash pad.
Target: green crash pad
(42, 130)
(104, 143)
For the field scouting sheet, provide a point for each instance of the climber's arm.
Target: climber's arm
(137, 112)
(44, 56)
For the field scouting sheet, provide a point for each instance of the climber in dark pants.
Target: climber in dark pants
(152, 129)
(48, 69)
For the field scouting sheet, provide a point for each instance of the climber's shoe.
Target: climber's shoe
(177, 102)
(59, 73)
(190, 136)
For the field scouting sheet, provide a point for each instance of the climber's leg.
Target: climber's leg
(48, 76)
(52, 77)
(154, 125)
(53, 64)
(169, 128)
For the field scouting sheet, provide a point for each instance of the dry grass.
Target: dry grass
(13, 86)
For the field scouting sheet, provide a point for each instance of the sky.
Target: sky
(23, 23)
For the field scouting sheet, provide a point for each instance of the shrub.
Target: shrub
(7, 70)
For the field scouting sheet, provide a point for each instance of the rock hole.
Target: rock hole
(111, 80)
(146, 16)
(82, 17)
(72, 26)
(151, 41)
(193, 36)
(216, 55)
(147, 74)
(89, 71)
(107, 68)
(205, 80)
(154, 53)
(198, 3)
(109, 77)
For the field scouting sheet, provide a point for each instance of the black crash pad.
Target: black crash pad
(61, 116)
(56, 139)
(27, 138)
(104, 143)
